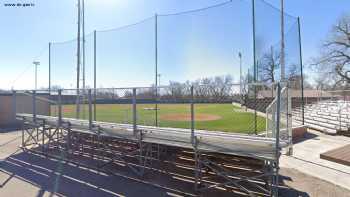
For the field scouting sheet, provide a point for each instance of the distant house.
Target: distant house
(310, 96)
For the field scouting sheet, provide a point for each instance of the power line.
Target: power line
(28, 67)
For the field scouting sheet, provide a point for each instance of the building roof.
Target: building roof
(296, 94)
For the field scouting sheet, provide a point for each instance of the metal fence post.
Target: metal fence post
(192, 116)
(289, 122)
(34, 115)
(134, 112)
(59, 107)
(95, 77)
(49, 67)
(277, 148)
(340, 116)
(301, 73)
(90, 109)
(34, 105)
(14, 106)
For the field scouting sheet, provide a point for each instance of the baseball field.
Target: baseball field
(216, 117)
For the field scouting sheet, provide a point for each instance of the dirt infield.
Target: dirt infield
(187, 117)
(67, 110)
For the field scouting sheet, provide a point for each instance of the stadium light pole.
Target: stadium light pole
(36, 64)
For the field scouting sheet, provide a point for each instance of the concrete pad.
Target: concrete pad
(303, 185)
(306, 158)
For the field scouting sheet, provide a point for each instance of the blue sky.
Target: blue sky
(189, 46)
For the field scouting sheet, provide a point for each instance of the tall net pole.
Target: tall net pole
(255, 68)
(78, 65)
(95, 75)
(49, 67)
(83, 29)
(283, 66)
(301, 72)
(49, 77)
(156, 66)
(254, 43)
(83, 50)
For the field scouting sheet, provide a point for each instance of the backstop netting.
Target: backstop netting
(125, 56)
(270, 56)
(231, 53)
(64, 64)
(202, 44)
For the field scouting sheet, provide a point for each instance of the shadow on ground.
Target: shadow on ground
(9, 129)
(65, 179)
(306, 136)
(286, 191)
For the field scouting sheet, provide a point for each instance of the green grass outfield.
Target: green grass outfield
(220, 117)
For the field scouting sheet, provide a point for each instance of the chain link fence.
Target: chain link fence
(227, 108)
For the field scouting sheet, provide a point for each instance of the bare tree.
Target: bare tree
(202, 89)
(221, 87)
(321, 82)
(176, 89)
(268, 65)
(217, 88)
(56, 87)
(294, 76)
(335, 52)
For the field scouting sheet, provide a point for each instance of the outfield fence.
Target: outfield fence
(201, 107)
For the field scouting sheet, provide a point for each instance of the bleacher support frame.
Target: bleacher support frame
(43, 135)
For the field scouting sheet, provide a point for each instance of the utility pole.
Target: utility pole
(36, 64)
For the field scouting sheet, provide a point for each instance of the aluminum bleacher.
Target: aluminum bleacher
(328, 116)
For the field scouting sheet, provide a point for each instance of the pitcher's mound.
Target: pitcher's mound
(187, 117)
